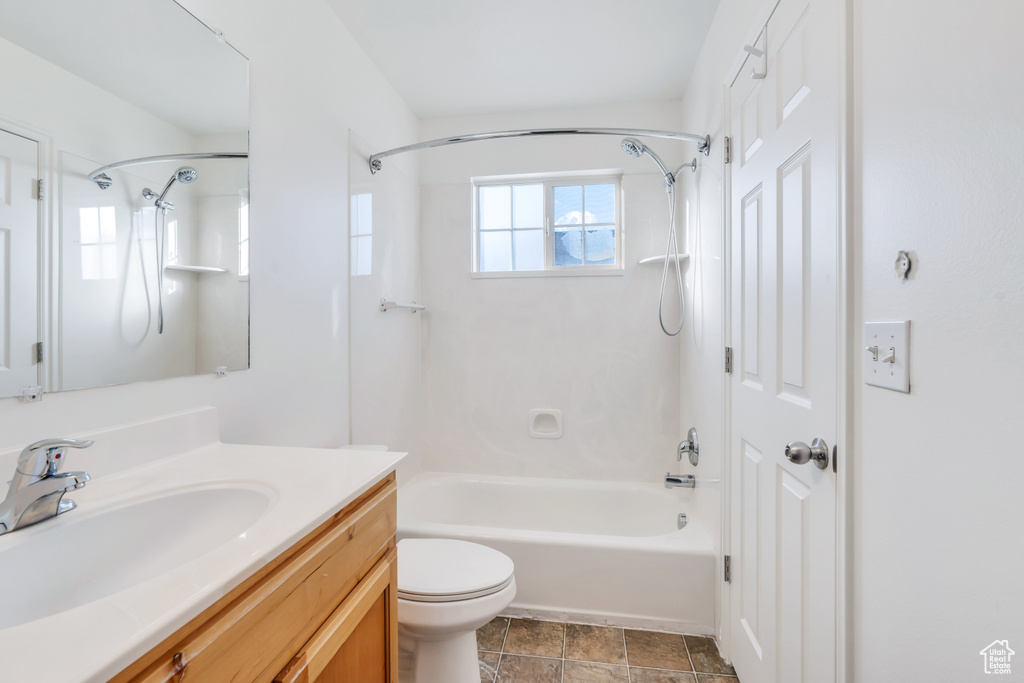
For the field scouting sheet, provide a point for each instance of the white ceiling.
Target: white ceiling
(457, 57)
(151, 53)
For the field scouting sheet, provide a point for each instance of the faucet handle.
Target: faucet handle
(45, 458)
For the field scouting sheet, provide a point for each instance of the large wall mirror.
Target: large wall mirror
(124, 200)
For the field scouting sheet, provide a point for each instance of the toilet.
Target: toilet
(447, 589)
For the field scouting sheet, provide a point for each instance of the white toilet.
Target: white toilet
(447, 590)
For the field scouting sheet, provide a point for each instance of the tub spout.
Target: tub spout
(685, 480)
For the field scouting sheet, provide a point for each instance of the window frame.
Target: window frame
(550, 181)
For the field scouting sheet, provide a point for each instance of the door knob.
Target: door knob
(798, 453)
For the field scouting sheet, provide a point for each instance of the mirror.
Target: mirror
(144, 274)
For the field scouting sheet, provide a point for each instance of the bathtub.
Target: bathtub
(584, 551)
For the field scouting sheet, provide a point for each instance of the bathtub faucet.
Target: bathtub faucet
(685, 480)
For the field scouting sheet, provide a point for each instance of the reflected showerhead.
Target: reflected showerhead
(633, 147)
(186, 175)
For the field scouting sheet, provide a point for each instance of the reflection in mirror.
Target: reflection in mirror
(149, 271)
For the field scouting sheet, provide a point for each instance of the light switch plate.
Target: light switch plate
(882, 340)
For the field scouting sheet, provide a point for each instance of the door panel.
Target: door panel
(784, 261)
(19, 275)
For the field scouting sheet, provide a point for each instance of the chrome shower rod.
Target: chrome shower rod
(100, 177)
(703, 141)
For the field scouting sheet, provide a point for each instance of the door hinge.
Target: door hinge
(727, 150)
(728, 360)
(39, 189)
(728, 569)
(39, 352)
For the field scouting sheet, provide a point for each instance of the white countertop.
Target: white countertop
(95, 641)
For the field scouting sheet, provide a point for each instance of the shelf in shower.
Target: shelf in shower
(661, 259)
(196, 269)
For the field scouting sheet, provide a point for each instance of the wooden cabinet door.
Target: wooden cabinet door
(359, 642)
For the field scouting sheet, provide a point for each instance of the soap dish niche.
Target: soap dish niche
(545, 423)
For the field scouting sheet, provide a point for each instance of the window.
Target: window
(97, 227)
(361, 234)
(549, 226)
(243, 239)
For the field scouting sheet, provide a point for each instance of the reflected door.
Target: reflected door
(19, 263)
(785, 190)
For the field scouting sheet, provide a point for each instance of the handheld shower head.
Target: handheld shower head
(637, 149)
(184, 175)
(633, 147)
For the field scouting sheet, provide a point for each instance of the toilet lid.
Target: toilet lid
(441, 570)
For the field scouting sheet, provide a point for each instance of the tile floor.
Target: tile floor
(532, 651)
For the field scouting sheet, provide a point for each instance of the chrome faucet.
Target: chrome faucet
(685, 480)
(38, 485)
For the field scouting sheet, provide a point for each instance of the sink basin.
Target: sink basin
(80, 558)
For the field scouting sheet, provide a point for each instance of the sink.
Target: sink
(79, 558)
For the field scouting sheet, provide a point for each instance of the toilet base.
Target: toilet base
(452, 660)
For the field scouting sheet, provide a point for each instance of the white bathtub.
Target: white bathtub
(585, 551)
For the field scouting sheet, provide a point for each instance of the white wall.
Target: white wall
(493, 349)
(385, 352)
(309, 83)
(937, 472)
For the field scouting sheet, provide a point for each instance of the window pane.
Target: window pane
(364, 255)
(108, 224)
(496, 250)
(599, 202)
(600, 247)
(529, 249)
(568, 205)
(89, 225)
(496, 208)
(528, 206)
(92, 262)
(568, 247)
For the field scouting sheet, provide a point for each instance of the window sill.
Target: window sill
(599, 272)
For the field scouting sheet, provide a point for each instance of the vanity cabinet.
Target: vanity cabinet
(326, 611)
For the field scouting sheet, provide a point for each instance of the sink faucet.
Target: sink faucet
(685, 480)
(38, 485)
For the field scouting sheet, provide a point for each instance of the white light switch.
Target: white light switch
(886, 359)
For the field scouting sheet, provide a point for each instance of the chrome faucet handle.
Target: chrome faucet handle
(45, 458)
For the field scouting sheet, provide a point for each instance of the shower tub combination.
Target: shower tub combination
(584, 551)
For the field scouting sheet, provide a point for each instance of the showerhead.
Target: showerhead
(633, 147)
(637, 149)
(184, 175)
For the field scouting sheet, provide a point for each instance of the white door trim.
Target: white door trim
(845, 336)
(46, 257)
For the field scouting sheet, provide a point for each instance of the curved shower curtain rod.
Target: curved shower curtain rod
(703, 142)
(100, 177)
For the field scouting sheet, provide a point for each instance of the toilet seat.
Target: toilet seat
(446, 570)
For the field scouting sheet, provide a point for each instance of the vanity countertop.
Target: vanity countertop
(96, 640)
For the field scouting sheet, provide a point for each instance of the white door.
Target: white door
(19, 263)
(784, 194)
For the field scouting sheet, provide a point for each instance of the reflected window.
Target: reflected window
(97, 226)
(361, 231)
(243, 239)
(548, 225)
(171, 253)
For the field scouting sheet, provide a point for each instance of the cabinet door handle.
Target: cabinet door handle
(180, 667)
(311, 660)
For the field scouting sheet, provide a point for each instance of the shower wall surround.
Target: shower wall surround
(494, 349)
(384, 262)
(299, 122)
